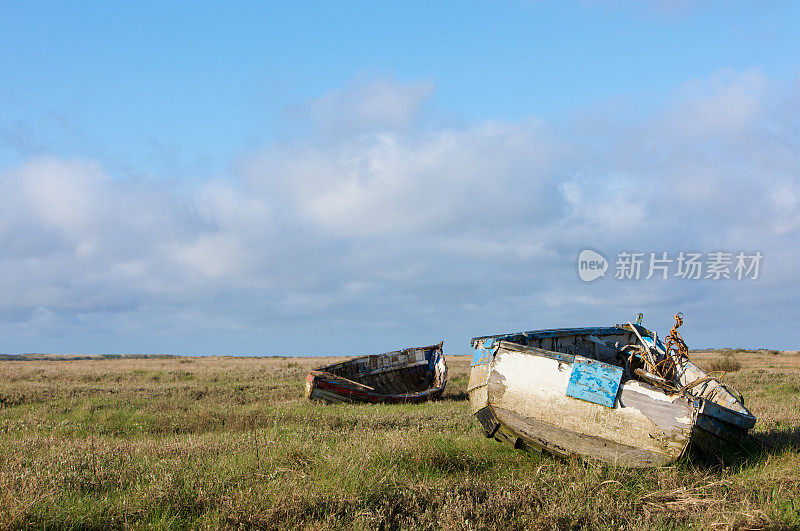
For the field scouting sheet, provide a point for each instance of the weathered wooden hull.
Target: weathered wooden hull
(410, 375)
(721, 419)
(519, 393)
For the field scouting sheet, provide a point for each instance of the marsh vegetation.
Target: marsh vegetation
(230, 442)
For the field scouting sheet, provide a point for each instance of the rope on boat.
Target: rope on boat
(707, 378)
(659, 367)
(662, 371)
(676, 346)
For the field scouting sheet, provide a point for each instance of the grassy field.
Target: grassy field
(230, 442)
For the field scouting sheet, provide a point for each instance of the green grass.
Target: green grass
(230, 442)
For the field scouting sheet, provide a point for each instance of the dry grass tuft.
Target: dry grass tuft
(725, 364)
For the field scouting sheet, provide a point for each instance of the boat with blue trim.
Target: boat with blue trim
(616, 394)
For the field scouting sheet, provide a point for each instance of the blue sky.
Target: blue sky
(340, 178)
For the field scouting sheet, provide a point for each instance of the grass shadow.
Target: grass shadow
(751, 450)
(779, 439)
(455, 397)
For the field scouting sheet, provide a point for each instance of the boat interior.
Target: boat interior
(401, 372)
(599, 343)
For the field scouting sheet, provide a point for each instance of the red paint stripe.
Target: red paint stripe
(372, 397)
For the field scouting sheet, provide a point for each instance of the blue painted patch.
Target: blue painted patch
(594, 381)
(476, 357)
(484, 353)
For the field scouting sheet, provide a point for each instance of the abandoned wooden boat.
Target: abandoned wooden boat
(410, 375)
(614, 394)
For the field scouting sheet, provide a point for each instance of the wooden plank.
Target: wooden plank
(340, 380)
(390, 368)
(565, 443)
(670, 413)
(404, 374)
(479, 398)
(380, 382)
(688, 372)
(488, 421)
(552, 354)
(478, 376)
(719, 428)
(740, 420)
(393, 384)
(328, 395)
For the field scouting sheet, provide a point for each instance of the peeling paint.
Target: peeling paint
(530, 388)
(594, 381)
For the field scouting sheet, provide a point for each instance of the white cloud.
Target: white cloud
(391, 234)
(63, 195)
(375, 105)
(437, 181)
(784, 206)
(729, 103)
